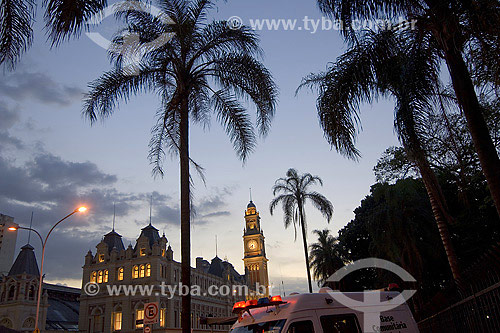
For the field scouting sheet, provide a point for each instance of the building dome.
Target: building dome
(251, 205)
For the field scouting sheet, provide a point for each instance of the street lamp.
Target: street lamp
(44, 242)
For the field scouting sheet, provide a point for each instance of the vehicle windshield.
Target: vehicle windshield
(266, 327)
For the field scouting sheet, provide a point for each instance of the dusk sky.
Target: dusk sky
(52, 160)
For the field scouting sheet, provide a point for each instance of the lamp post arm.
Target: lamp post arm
(36, 232)
(55, 225)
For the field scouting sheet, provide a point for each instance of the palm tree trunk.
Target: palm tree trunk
(439, 208)
(185, 217)
(304, 239)
(467, 99)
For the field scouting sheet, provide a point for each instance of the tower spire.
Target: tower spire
(216, 246)
(250, 194)
(31, 226)
(150, 209)
(114, 215)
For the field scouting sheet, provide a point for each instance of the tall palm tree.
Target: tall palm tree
(205, 68)
(294, 195)
(386, 64)
(325, 257)
(450, 28)
(63, 19)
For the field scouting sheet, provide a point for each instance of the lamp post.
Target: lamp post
(44, 242)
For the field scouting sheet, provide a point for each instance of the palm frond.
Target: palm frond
(321, 203)
(217, 38)
(236, 122)
(16, 32)
(248, 78)
(67, 18)
(113, 86)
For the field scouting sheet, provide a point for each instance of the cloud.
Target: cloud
(8, 117)
(7, 140)
(53, 170)
(35, 86)
(217, 214)
(166, 210)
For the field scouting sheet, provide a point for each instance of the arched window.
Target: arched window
(12, 293)
(117, 319)
(135, 272)
(120, 274)
(31, 293)
(163, 316)
(106, 276)
(29, 323)
(148, 270)
(6, 322)
(139, 314)
(142, 271)
(98, 320)
(142, 252)
(93, 277)
(99, 277)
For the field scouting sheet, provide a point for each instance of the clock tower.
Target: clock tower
(255, 251)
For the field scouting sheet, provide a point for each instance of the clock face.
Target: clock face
(252, 245)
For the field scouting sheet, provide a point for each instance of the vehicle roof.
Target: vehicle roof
(307, 302)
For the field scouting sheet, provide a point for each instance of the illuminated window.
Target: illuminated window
(99, 277)
(139, 315)
(106, 276)
(143, 251)
(117, 321)
(163, 252)
(93, 277)
(135, 272)
(148, 270)
(163, 314)
(120, 274)
(101, 258)
(142, 271)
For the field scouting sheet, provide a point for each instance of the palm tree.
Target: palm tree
(294, 195)
(386, 63)
(205, 68)
(450, 29)
(63, 19)
(325, 257)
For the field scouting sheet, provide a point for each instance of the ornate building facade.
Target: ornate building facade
(18, 293)
(255, 258)
(149, 263)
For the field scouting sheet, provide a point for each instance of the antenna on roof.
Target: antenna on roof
(250, 194)
(216, 245)
(282, 283)
(114, 215)
(31, 226)
(150, 209)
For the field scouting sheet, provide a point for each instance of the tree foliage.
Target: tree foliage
(63, 19)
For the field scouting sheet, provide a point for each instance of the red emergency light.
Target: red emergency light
(242, 306)
(276, 299)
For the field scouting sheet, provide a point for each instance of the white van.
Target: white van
(319, 312)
